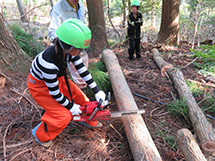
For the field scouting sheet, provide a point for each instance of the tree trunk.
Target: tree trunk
(51, 3)
(129, 6)
(169, 29)
(21, 10)
(153, 17)
(141, 143)
(97, 25)
(124, 13)
(202, 127)
(12, 57)
(189, 146)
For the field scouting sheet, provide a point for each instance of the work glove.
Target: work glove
(75, 110)
(100, 96)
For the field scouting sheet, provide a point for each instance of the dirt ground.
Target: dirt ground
(19, 114)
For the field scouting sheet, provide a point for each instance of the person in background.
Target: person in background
(134, 30)
(60, 12)
(51, 89)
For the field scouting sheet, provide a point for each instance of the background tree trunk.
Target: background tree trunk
(124, 13)
(97, 25)
(129, 6)
(153, 17)
(52, 3)
(169, 29)
(21, 10)
(12, 57)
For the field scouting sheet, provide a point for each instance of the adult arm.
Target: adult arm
(139, 21)
(55, 22)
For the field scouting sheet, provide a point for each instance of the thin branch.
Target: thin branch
(28, 12)
(19, 144)
(27, 100)
(5, 133)
(30, 149)
(116, 131)
(190, 63)
(108, 7)
(204, 84)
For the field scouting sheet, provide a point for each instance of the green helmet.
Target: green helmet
(74, 32)
(135, 3)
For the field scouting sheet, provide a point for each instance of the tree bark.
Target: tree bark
(12, 57)
(124, 13)
(202, 127)
(22, 10)
(141, 143)
(51, 3)
(169, 29)
(97, 25)
(189, 146)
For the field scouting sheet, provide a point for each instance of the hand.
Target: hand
(100, 96)
(75, 110)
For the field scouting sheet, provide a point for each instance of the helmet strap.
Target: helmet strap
(61, 45)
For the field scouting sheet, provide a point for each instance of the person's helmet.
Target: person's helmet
(135, 3)
(74, 32)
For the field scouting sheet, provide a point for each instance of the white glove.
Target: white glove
(100, 96)
(75, 110)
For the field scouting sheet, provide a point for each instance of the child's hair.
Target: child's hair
(62, 62)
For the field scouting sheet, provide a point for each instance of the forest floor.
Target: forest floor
(19, 114)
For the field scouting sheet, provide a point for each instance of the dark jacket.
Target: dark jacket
(134, 25)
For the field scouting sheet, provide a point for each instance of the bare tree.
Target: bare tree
(169, 29)
(97, 25)
(22, 10)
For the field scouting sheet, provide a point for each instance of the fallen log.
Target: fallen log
(202, 127)
(144, 41)
(189, 146)
(140, 141)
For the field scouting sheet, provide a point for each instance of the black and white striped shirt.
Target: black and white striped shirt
(46, 67)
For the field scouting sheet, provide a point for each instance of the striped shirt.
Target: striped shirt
(46, 67)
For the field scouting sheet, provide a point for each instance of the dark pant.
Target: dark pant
(134, 44)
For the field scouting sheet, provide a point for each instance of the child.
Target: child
(61, 11)
(50, 87)
(134, 23)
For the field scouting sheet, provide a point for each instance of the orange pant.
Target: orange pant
(56, 116)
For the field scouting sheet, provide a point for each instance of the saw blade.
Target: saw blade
(126, 113)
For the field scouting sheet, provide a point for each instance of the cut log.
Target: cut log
(189, 146)
(144, 41)
(202, 127)
(140, 141)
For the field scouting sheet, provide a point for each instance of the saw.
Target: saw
(95, 111)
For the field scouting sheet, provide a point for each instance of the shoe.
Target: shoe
(99, 125)
(45, 144)
(139, 58)
(130, 58)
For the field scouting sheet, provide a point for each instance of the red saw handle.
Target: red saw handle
(101, 114)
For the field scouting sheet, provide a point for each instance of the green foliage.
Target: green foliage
(195, 89)
(98, 72)
(26, 41)
(208, 104)
(178, 108)
(112, 42)
(169, 139)
(206, 63)
(73, 131)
